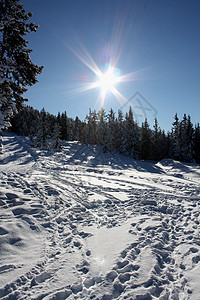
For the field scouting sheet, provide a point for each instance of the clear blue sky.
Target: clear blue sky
(158, 40)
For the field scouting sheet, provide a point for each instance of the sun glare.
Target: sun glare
(107, 80)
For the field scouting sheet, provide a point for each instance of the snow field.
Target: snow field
(81, 224)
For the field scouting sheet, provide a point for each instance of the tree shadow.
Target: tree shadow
(95, 157)
(20, 151)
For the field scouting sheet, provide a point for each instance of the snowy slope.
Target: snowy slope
(81, 224)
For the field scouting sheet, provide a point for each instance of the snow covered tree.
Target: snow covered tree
(186, 139)
(159, 142)
(175, 138)
(77, 129)
(16, 68)
(132, 136)
(40, 140)
(110, 130)
(62, 120)
(119, 136)
(101, 131)
(197, 143)
(182, 139)
(145, 144)
(91, 127)
(156, 140)
(56, 141)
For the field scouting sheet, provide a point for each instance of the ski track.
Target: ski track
(51, 205)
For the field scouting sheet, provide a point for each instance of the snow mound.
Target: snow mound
(181, 170)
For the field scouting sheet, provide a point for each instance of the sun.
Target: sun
(107, 80)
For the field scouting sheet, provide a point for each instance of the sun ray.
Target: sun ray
(87, 61)
(102, 97)
(105, 81)
(119, 96)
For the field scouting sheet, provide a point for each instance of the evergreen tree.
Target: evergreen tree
(132, 136)
(175, 138)
(16, 68)
(189, 140)
(165, 144)
(58, 118)
(186, 139)
(197, 143)
(64, 126)
(70, 129)
(145, 144)
(91, 127)
(158, 142)
(77, 129)
(56, 144)
(119, 134)
(182, 139)
(110, 129)
(40, 140)
(25, 121)
(101, 130)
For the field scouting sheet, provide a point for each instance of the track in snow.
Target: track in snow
(86, 225)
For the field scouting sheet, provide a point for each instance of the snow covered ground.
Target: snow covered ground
(81, 224)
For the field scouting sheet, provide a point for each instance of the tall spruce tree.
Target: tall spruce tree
(101, 131)
(64, 126)
(185, 139)
(16, 68)
(175, 138)
(91, 127)
(120, 138)
(110, 142)
(158, 142)
(132, 135)
(146, 144)
(197, 143)
(42, 134)
(56, 144)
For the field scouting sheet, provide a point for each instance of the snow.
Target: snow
(106, 248)
(82, 224)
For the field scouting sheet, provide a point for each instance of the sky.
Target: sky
(153, 46)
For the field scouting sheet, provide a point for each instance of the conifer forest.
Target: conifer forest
(114, 132)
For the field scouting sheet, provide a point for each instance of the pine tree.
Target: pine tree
(165, 144)
(119, 135)
(186, 139)
(197, 143)
(189, 140)
(77, 129)
(56, 141)
(155, 141)
(146, 145)
(101, 130)
(158, 141)
(132, 136)
(175, 138)
(16, 68)
(41, 138)
(64, 126)
(109, 141)
(91, 127)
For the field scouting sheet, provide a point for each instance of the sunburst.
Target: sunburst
(105, 81)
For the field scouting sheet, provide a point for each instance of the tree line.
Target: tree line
(114, 132)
